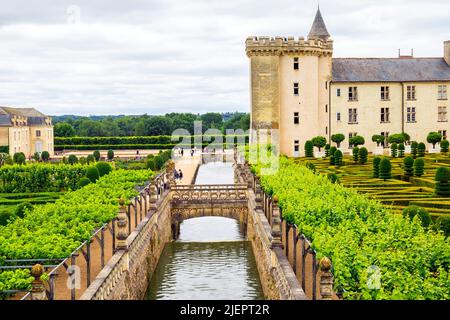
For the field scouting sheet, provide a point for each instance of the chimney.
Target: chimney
(447, 51)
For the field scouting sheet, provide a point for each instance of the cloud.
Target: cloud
(161, 56)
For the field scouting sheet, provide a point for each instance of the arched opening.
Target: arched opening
(210, 229)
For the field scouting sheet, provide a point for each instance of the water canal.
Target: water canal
(211, 259)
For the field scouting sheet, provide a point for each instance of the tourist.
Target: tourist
(180, 174)
(182, 152)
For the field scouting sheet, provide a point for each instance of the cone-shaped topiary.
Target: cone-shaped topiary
(419, 166)
(421, 149)
(408, 166)
(332, 150)
(424, 216)
(309, 149)
(414, 146)
(394, 150)
(376, 166)
(385, 169)
(444, 146)
(338, 158)
(92, 174)
(442, 178)
(355, 154)
(363, 155)
(110, 154)
(401, 150)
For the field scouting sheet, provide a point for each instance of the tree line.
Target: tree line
(146, 125)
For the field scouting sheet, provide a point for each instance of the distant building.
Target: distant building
(298, 88)
(25, 130)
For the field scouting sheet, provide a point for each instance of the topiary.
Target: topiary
(442, 179)
(433, 138)
(84, 182)
(159, 162)
(309, 149)
(338, 138)
(151, 164)
(319, 142)
(90, 159)
(443, 223)
(378, 138)
(363, 153)
(355, 154)
(327, 150)
(421, 149)
(110, 154)
(414, 146)
(385, 169)
(332, 150)
(72, 159)
(333, 177)
(419, 166)
(444, 146)
(96, 155)
(408, 166)
(412, 211)
(376, 167)
(45, 156)
(64, 160)
(82, 161)
(357, 141)
(93, 174)
(36, 156)
(19, 158)
(338, 158)
(401, 150)
(103, 168)
(394, 150)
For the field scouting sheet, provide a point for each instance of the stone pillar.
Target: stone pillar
(37, 286)
(122, 223)
(170, 167)
(153, 196)
(326, 279)
(276, 225)
(258, 196)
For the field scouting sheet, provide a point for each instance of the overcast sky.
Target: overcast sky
(156, 56)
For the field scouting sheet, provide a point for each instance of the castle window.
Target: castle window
(338, 116)
(352, 94)
(38, 133)
(326, 108)
(352, 115)
(351, 135)
(296, 88)
(443, 134)
(326, 85)
(411, 93)
(338, 92)
(384, 93)
(411, 114)
(442, 92)
(442, 114)
(296, 64)
(326, 130)
(384, 114)
(296, 118)
(296, 145)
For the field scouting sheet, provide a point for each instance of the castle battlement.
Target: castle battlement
(265, 45)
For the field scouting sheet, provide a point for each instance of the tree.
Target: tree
(157, 126)
(45, 156)
(433, 138)
(338, 138)
(319, 142)
(309, 149)
(413, 211)
(378, 138)
(72, 159)
(363, 153)
(442, 179)
(419, 166)
(90, 159)
(376, 167)
(421, 149)
(355, 154)
(64, 129)
(394, 150)
(408, 166)
(96, 155)
(151, 164)
(401, 150)
(92, 174)
(414, 146)
(357, 141)
(338, 158)
(19, 158)
(159, 162)
(110, 154)
(211, 120)
(103, 168)
(396, 138)
(444, 146)
(385, 169)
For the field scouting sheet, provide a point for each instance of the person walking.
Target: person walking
(180, 174)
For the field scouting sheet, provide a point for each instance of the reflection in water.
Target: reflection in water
(207, 229)
(215, 173)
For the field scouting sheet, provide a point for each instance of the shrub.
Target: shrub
(84, 182)
(103, 168)
(96, 155)
(5, 217)
(376, 167)
(444, 146)
(433, 138)
(378, 138)
(363, 153)
(357, 141)
(110, 154)
(19, 158)
(443, 223)
(92, 174)
(159, 162)
(419, 166)
(401, 150)
(333, 177)
(408, 166)
(82, 161)
(421, 149)
(311, 166)
(396, 138)
(64, 160)
(332, 150)
(151, 164)
(309, 149)
(414, 146)
(385, 169)
(319, 142)
(36, 156)
(90, 159)
(338, 158)
(45, 156)
(73, 159)
(424, 216)
(338, 138)
(21, 208)
(355, 152)
(394, 150)
(327, 150)
(442, 178)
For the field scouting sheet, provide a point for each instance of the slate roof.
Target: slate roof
(33, 116)
(390, 69)
(318, 29)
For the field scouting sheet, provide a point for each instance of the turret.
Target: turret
(319, 29)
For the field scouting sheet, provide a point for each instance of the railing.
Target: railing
(208, 193)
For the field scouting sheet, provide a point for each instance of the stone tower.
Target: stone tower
(290, 79)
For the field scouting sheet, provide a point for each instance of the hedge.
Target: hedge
(132, 146)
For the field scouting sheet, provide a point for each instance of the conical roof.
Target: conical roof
(318, 29)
